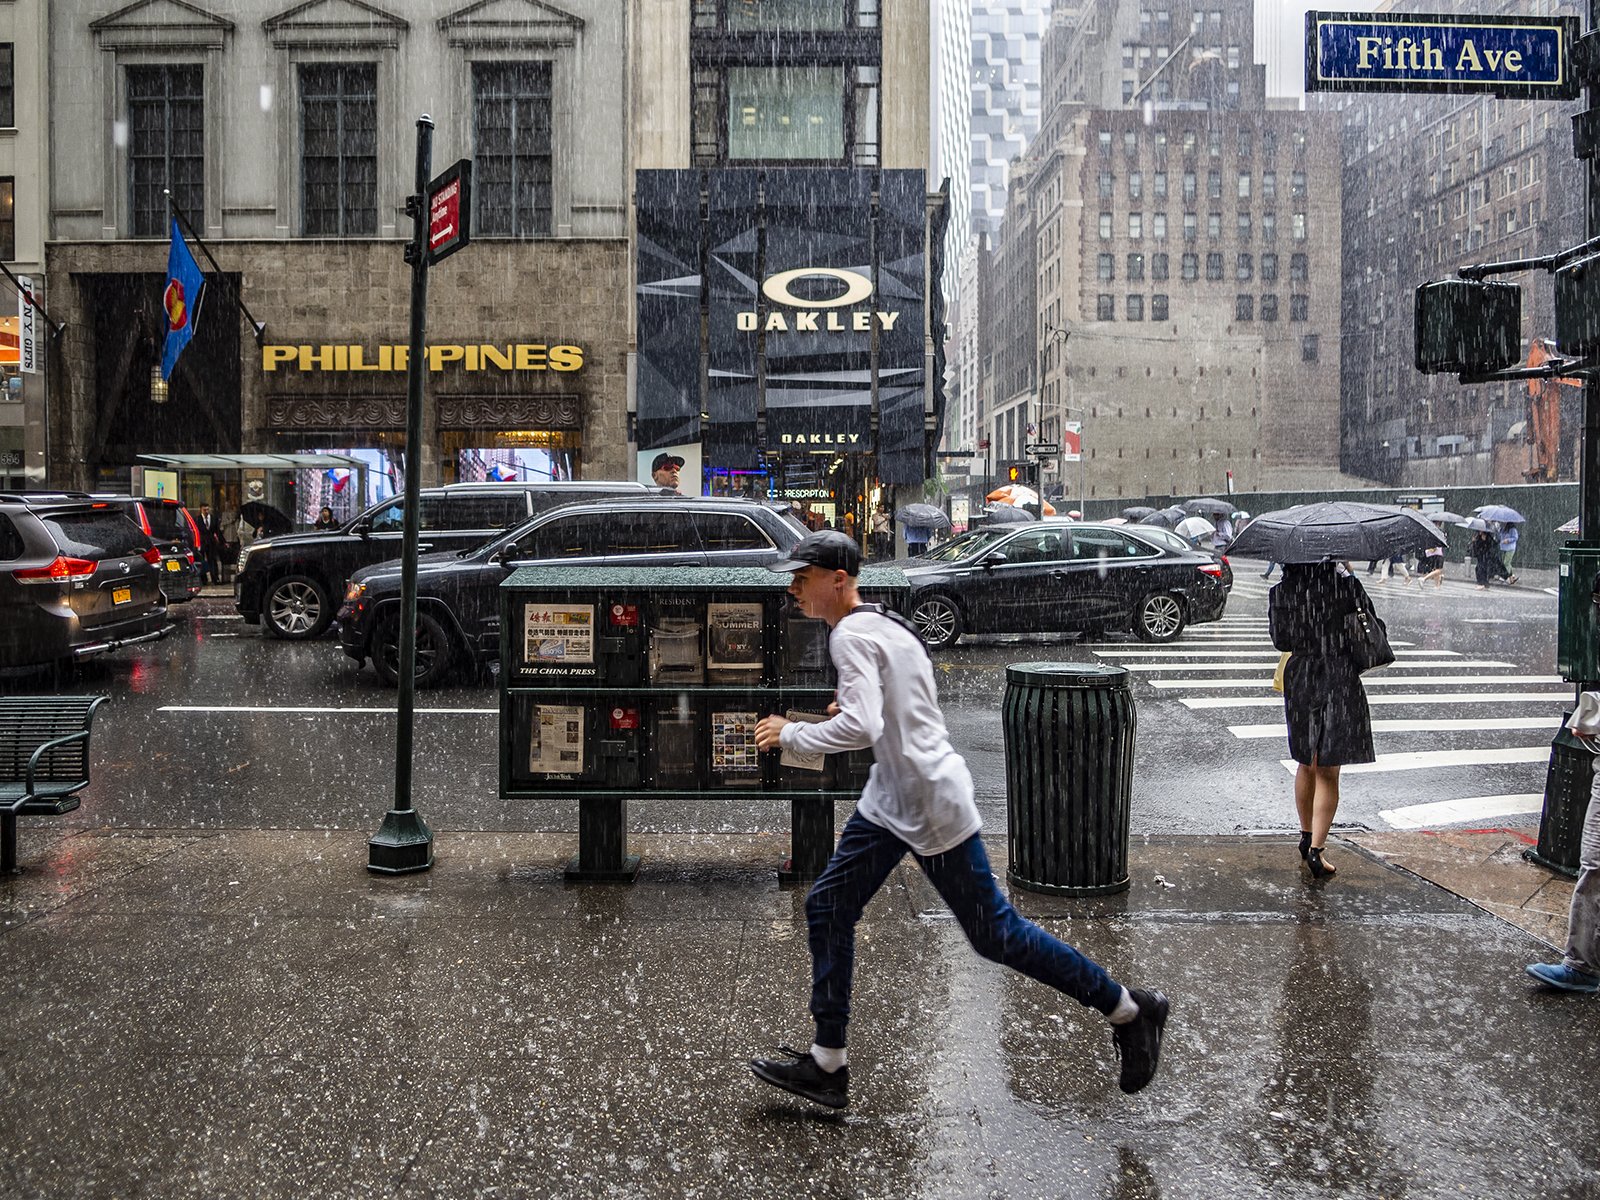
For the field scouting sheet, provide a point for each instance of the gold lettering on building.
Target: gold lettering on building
(337, 358)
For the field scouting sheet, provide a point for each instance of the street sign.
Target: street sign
(450, 211)
(1043, 449)
(1426, 52)
(28, 336)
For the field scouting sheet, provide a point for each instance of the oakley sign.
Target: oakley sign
(826, 317)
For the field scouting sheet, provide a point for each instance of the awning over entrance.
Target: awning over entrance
(271, 462)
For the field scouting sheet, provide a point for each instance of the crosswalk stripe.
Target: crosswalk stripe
(1271, 655)
(1420, 698)
(1420, 759)
(1369, 681)
(1256, 666)
(1468, 808)
(1424, 725)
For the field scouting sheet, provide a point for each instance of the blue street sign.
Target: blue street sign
(1421, 52)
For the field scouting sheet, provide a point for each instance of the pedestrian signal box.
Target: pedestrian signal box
(1024, 473)
(1468, 327)
(1577, 311)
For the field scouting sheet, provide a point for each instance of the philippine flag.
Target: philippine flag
(501, 472)
(339, 478)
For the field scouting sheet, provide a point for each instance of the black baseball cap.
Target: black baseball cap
(663, 459)
(828, 549)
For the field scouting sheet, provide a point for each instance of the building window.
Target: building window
(1269, 308)
(1308, 348)
(1135, 185)
(1244, 143)
(1158, 185)
(1158, 307)
(1297, 268)
(1244, 185)
(1158, 267)
(1191, 267)
(1299, 308)
(1105, 227)
(1136, 226)
(1297, 226)
(1244, 270)
(1105, 307)
(8, 219)
(1135, 308)
(1213, 225)
(1213, 266)
(1105, 185)
(1297, 184)
(786, 113)
(1214, 143)
(511, 135)
(1158, 226)
(1104, 142)
(1130, 143)
(1135, 268)
(1269, 226)
(1214, 185)
(1189, 185)
(1244, 308)
(1269, 267)
(1188, 141)
(1269, 185)
(166, 145)
(1106, 267)
(1190, 228)
(1127, 91)
(1244, 227)
(338, 149)
(1269, 142)
(8, 85)
(791, 15)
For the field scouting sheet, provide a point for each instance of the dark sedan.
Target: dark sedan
(1049, 577)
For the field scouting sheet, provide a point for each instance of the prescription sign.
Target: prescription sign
(1526, 57)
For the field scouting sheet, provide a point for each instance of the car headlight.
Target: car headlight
(246, 551)
(354, 592)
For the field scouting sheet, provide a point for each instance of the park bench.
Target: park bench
(44, 760)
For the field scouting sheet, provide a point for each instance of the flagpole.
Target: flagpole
(260, 327)
(33, 301)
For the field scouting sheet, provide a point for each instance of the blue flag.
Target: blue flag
(180, 301)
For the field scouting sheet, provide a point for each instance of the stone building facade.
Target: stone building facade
(286, 133)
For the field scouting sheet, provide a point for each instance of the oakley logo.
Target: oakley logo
(857, 287)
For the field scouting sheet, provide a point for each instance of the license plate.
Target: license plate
(172, 564)
(121, 595)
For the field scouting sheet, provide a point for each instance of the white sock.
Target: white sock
(831, 1058)
(1126, 1010)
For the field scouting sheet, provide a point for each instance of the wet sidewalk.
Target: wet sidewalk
(249, 1013)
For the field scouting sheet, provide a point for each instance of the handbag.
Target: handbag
(1277, 676)
(1368, 637)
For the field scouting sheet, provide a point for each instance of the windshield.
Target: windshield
(966, 546)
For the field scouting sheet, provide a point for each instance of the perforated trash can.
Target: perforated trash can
(1069, 776)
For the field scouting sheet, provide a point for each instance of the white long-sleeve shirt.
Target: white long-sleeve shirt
(920, 789)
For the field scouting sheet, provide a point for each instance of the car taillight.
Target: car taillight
(144, 520)
(189, 554)
(62, 570)
(152, 556)
(193, 528)
(1212, 569)
(1225, 561)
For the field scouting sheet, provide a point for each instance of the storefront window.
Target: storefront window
(786, 113)
(785, 14)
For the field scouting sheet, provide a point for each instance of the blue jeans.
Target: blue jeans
(862, 861)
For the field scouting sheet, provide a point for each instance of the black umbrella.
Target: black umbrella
(264, 517)
(1006, 514)
(1206, 505)
(1336, 530)
(1137, 512)
(1166, 518)
(923, 516)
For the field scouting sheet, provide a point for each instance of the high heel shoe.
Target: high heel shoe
(1305, 844)
(1319, 869)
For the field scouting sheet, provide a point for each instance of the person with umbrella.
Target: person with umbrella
(1309, 613)
(920, 521)
(1485, 552)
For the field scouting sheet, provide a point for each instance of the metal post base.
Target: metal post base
(625, 871)
(603, 843)
(403, 844)
(810, 841)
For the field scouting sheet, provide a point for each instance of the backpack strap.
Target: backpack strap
(898, 618)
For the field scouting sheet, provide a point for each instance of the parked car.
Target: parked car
(175, 534)
(1058, 577)
(293, 582)
(77, 578)
(458, 603)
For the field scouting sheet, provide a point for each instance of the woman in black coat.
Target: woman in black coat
(1326, 706)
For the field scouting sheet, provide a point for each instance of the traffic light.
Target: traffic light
(1017, 473)
(1024, 474)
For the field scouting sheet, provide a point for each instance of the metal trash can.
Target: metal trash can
(1566, 801)
(1069, 731)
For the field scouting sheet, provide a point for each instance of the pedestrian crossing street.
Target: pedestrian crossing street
(1495, 716)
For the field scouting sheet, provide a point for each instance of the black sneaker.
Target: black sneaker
(1138, 1041)
(803, 1077)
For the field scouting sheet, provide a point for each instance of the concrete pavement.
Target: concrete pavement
(249, 1013)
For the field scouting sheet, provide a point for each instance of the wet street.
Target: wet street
(221, 726)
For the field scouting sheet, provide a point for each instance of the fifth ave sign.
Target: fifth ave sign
(1529, 57)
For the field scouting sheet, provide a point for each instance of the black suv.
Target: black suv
(77, 578)
(294, 581)
(458, 602)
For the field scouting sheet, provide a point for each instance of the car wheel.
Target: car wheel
(1158, 618)
(434, 651)
(937, 619)
(296, 608)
